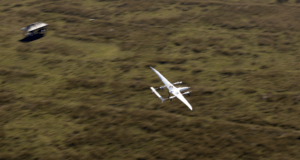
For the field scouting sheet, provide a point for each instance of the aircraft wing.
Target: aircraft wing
(180, 96)
(164, 80)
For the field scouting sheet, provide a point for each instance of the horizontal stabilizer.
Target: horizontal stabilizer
(158, 95)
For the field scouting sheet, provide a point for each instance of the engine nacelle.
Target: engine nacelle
(188, 92)
(179, 82)
(183, 88)
(162, 87)
(172, 97)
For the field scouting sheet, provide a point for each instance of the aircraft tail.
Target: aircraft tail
(158, 95)
(162, 100)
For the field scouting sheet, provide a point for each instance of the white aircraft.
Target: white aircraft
(172, 89)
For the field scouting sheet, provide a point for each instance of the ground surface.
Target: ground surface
(82, 91)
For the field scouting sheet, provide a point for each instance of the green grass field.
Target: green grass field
(83, 90)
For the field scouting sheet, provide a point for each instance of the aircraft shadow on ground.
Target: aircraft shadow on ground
(31, 38)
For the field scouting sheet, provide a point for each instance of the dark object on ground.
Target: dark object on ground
(31, 38)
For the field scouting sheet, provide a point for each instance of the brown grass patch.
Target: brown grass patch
(84, 82)
(241, 36)
(158, 21)
(71, 19)
(57, 48)
(125, 67)
(138, 85)
(198, 49)
(213, 41)
(233, 118)
(178, 60)
(161, 60)
(12, 73)
(187, 40)
(197, 70)
(51, 61)
(24, 47)
(236, 46)
(229, 52)
(265, 42)
(177, 68)
(127, 46)
(67, 10)
(6, 156)
(231, 72)
(248, 90)
(29, 13)
(6, 97)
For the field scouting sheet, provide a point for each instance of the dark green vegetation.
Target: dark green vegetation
(82, 92)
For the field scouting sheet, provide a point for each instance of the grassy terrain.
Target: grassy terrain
(82, 91)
